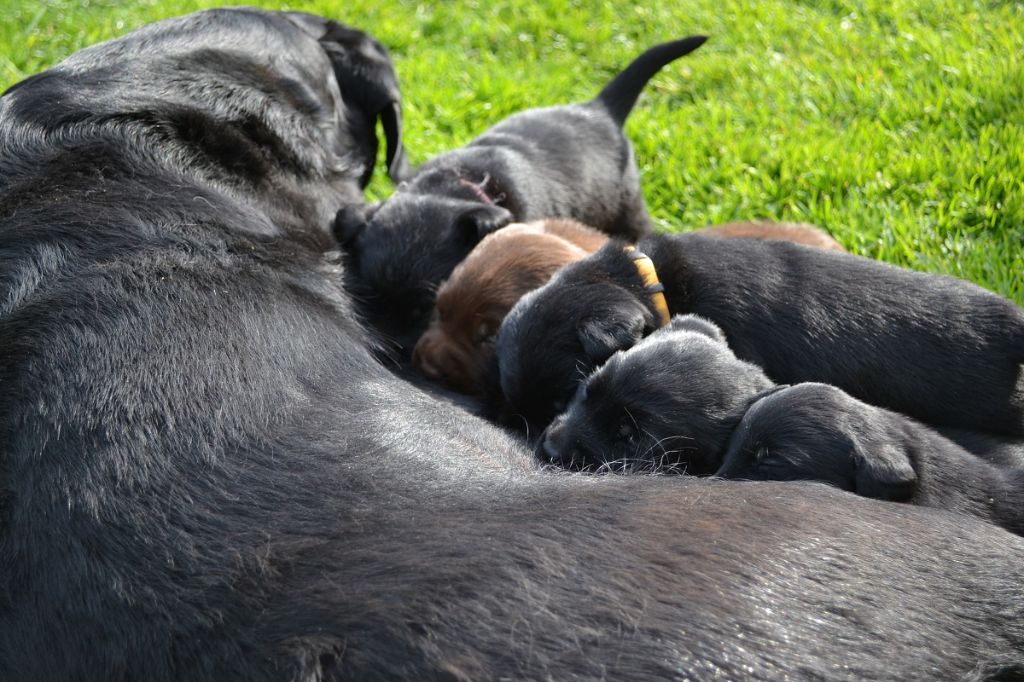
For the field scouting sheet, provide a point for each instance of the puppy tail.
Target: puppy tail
(619, 96)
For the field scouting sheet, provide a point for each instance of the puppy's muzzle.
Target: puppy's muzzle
(440, 360)
(554, 446)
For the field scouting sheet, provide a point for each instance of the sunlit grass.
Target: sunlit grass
(898, 126)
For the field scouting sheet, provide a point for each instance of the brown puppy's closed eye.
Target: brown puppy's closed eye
(471, 304)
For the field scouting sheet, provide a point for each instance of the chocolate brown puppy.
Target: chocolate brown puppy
(939, 349)
(568, 161)
(457, 347)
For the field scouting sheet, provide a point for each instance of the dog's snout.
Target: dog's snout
(553, 446)
(551, 451)
(421, 358)
(427, 356)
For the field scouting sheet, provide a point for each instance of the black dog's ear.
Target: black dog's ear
(367, 80)
(883, 473)
(475, 223)
(616, 330)
(698, 325)
(398, 165)
(350, 222)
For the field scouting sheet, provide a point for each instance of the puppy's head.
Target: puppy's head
(556, 335)
(399, 251)
(817, 432)
(670, 401)
(458, 346)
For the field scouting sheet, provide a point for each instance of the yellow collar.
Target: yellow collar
(653, 286)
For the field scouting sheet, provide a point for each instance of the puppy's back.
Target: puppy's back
(798, 233)
(587, 238)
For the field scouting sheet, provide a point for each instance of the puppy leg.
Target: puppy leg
(818, 432)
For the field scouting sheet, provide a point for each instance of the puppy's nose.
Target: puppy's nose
(422, 358)
(552, 446)
(551, 451)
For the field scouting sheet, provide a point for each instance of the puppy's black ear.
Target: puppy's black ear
(616, 330)
(475, 223)
(350, 222)
(883, 473)
(697, 325)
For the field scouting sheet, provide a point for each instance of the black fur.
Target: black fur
(557, 162)
(204, 474)
(681, 400)
(206, 90)
(939, 349)
(817, 432)
(669, 402)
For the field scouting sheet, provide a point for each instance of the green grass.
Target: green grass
(896, 125)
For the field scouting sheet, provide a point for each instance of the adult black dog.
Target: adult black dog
(939, 349)
(205, 475)
(558, 162)
(680, 399)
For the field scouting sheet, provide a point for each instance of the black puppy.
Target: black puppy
(204, 474)
(681, 400)
(939, 349)
(671, 401)
(557, 162)
(817, 432)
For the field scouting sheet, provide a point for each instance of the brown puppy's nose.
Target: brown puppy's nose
(424, 357)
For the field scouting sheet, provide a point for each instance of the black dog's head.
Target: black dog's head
(401, 249)
(369, 86)
(555, 336)
(670, 401)
(817, 432)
